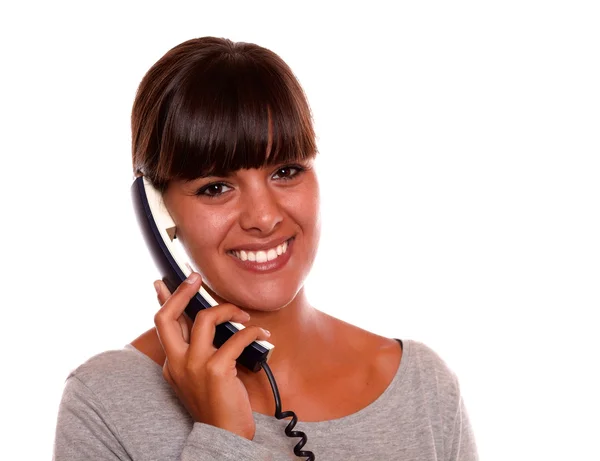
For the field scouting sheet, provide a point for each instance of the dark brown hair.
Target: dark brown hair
(210, 106)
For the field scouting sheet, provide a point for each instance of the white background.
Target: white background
(459, 163)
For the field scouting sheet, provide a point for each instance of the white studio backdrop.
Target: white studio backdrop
(459, 165)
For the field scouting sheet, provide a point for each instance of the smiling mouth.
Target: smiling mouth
(262, 256)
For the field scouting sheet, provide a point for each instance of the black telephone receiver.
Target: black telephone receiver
(158, 229)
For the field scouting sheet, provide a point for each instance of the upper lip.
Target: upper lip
(261, 246)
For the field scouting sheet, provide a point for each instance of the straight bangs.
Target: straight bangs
(240, 109)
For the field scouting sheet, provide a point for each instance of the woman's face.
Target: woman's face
(253, 234)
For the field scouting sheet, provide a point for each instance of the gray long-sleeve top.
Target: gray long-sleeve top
(117, 406)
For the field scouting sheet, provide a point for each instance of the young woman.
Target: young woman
(223, 130)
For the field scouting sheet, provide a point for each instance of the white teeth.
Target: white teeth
(263, 255)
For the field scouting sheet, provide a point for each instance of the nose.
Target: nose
(260, 210)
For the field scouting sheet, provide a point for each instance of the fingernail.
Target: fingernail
(157, 287)
(193, 278)
(267, 332)
(246, 315)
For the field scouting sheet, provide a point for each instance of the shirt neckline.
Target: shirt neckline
(330, 424)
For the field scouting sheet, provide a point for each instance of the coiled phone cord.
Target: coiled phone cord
(286, 414)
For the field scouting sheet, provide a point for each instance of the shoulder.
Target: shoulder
(124, 372)
(120, 402)
(436, 387)
(427, 359)
(114, 364)
(429, 372)
(124, 386)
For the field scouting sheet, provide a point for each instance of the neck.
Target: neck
(292, 328)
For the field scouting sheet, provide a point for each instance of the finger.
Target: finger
(205, 325)
(187, 289)
(185, 329)
(167, 318)
(162, 292)
(167, 373)
(228, 353)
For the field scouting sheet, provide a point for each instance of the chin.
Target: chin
(265, 300)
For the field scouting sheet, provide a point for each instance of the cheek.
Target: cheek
(308, 206)
(202, 234)
(305, 211)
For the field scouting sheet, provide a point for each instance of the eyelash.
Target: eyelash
(298, 170)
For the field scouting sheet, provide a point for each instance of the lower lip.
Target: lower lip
(267, 266)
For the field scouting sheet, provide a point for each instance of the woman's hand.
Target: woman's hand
(204, 378)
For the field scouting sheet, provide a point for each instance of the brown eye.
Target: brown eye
(213, 190)
(287, 172)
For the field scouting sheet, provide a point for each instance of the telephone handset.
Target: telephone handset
(158, 227)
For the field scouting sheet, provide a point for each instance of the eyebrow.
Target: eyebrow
(208, 175)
